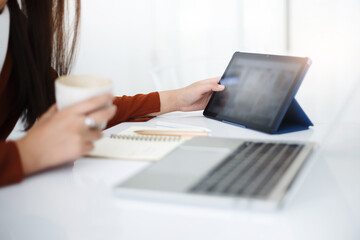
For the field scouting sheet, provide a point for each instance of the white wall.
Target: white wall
(328, 32)
(264, 25)
(148, 45)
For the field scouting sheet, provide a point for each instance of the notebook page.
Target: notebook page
(129, 145)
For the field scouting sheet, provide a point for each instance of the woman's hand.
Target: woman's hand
(191, 98)
(62, 136)
(197, 95)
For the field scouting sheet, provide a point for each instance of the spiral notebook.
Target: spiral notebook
(129, 145)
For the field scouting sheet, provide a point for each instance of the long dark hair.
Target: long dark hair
(42, 41)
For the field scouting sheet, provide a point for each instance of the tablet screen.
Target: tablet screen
(256, 88)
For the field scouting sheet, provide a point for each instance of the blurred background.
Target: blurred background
(153, 45)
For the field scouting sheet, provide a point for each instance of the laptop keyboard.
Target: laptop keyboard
(252, 170)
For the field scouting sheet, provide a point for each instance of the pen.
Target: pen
(172, 133)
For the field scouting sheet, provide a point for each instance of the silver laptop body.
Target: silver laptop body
(221, 172)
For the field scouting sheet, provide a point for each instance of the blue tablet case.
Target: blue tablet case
(294, 119)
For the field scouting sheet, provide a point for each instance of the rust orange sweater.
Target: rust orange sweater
(129, 108)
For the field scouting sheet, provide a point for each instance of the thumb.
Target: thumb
(218, 88)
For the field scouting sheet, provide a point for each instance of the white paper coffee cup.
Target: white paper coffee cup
(71, 89)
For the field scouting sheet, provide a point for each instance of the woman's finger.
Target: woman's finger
(103, 115)
(212, 87)
(218, 87)
(87, 147)
(92, 135)
(215, 79)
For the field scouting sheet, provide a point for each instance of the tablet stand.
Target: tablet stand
(295, 119)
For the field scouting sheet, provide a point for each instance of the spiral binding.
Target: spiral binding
(148, 138)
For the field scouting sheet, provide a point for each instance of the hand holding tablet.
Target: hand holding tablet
(260, 91)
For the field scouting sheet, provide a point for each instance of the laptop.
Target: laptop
(232, 172)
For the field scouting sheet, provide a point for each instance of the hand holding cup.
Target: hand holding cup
(73, 89)
(67, 131)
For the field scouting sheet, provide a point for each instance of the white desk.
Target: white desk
(76, 201)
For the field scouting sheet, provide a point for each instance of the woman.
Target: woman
(33, 52)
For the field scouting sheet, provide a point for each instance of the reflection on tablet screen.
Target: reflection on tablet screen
(255, 90)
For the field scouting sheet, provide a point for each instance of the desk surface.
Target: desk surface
(76, 201)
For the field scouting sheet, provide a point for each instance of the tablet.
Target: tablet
(259, 90)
